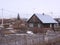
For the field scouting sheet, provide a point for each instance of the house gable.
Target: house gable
(34, 19)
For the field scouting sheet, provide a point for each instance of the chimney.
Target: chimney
(42, 13)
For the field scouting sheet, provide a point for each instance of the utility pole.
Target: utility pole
(2, 16)
(2, 19)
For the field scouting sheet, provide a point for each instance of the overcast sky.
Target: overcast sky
(12, 7)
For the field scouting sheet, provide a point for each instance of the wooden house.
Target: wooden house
(40, 23)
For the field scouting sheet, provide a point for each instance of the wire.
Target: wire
(9, 11)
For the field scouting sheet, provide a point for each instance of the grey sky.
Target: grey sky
(30, 7)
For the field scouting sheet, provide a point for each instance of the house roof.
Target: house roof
(45, 18)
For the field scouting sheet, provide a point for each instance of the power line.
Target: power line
(9, 11)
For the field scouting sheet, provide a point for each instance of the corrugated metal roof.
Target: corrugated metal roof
(46, 18)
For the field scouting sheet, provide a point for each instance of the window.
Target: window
(50, 25)
(38, 25)
(30, 25)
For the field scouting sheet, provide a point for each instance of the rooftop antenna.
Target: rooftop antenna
(34, 11)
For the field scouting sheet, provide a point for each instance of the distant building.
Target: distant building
(57, 26)
(58, 20)
(41, 23)
(7, 22)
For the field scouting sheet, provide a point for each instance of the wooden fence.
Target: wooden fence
(24, 39)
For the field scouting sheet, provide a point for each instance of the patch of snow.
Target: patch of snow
(9, 28)
(1, 26)
(29, 32)
(46, 39)
(17, 34)
(12, 31)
